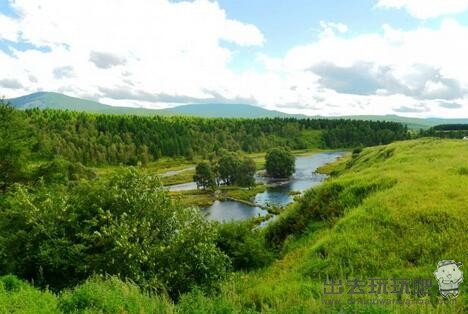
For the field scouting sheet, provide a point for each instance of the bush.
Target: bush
(196, 302)
(111, 295)
(244, 245)
(125, 225)
(17, 296)
(60, 171)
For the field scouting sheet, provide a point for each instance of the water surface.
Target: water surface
(278, 191)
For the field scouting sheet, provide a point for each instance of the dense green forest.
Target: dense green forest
(447, 131)
(97, 139)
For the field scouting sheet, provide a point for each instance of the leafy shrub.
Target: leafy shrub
(125, 225)
(244, 245)
(463, 171)
(196, 302)
(17, 296)
(61, 171)
(111, 295)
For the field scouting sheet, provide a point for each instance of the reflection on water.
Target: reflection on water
(277, 193)
(231, 210)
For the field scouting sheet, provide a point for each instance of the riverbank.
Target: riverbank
(205, 198)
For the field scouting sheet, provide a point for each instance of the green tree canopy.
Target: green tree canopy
(204, 176)
(228, 167)
(280, 163)
(246, 172)
(15, 145)
(125, 225)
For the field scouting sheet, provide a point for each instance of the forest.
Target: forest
(99, 139)
(447, 131)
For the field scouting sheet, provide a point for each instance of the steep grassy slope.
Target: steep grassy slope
(393, 212)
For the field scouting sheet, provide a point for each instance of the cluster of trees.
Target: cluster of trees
(279, 163)
(97, 139)
(351, 133)
(58, 235)
(447, 131)
(229, 169)
(15, 144)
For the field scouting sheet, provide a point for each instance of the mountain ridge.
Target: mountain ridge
(55, 100)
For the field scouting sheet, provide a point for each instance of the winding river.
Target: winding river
(278, 193)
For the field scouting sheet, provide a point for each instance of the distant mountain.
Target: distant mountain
(227, 111)
(60, 101)
(52, 100)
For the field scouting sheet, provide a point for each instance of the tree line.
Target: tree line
(446, 131)
(99, 139)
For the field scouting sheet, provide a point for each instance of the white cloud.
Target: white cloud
(157, 45)
(8, 28)
(404, 72)
(425, 9)
(330, 28)
(157, 53)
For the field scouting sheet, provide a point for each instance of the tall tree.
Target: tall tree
(246, 172)
(280, 163)
(204, 176)
(228, 167)
(15, 145)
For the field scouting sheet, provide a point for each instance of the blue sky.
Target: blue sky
(333, 57)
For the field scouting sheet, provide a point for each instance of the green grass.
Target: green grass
(243, 194)
(366, 228)
(179, 178)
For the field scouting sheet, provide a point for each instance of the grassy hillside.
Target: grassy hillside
(389, 211)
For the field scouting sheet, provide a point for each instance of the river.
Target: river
(278, 193)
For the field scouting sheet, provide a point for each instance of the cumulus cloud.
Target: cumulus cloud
(412, 109)
(63, 72)
(105, 60)
(450, 105)
(363, 78)
(8, 28)
(161, 47)
(157, 53)
(423, 9)
(366, 72)
(330, 28)
(10, 83)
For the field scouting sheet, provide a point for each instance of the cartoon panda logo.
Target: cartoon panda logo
(449, 276)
